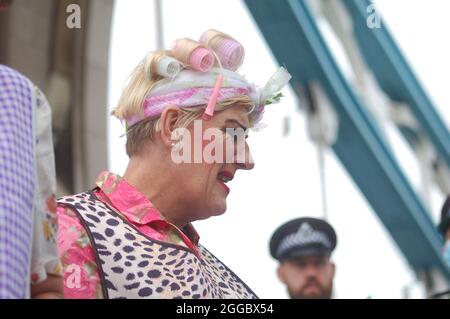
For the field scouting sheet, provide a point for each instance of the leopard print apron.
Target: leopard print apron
(133, 265)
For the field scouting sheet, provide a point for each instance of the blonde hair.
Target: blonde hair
(140, 83)
(141, 133)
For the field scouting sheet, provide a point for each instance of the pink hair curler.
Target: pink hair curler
(193, 54)
(229, 51)
(231, 54)
(201, 59)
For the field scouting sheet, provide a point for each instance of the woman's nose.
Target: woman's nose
(245, 160)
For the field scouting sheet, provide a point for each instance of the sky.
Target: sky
(285, 183)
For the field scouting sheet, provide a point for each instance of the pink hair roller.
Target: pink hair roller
(201, 59)
(229, 51)
(193, 54)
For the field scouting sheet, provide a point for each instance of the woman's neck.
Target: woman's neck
(158, 187)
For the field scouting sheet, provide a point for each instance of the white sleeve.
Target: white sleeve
(44, 256)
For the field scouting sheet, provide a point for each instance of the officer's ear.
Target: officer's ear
(280, 273)
(333, 269)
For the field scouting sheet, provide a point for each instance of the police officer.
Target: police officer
(303, 247)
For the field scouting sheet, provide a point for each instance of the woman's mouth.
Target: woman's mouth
(223, 178)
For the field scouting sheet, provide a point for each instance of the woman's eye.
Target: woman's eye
(229, 131)
(235, 132)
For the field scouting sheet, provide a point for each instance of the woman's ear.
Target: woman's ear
(169, 118)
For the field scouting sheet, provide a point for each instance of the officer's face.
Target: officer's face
(308, 277)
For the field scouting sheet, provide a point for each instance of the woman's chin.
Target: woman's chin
(212, 211)
(219, 209)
